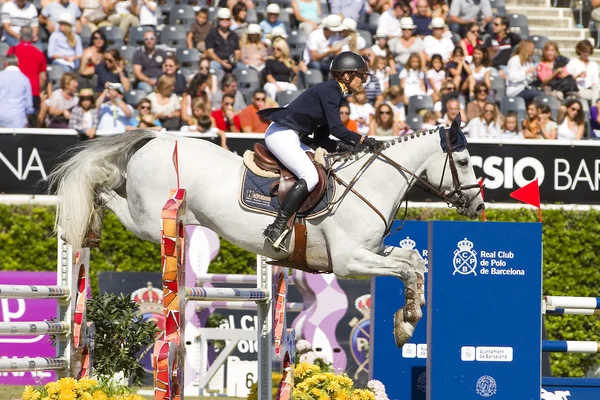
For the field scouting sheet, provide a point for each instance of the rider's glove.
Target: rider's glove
(343, 147)
(369, 142)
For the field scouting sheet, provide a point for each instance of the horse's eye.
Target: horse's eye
(463, 163)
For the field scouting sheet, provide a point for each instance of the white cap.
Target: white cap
(380, 34)
(278, 31)
(116, 86)
(273, 9)
(224, 13)
(333, 22)
(349, 24)
(253, 29)
(438, 22)
(66, 18)
(407, 23)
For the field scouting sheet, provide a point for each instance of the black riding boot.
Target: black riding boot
(293, 200)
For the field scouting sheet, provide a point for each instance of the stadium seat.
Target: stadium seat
(395, 80)
(514, 104)
(188, 58)
(133, 97)
(55, 73)
(374, 18)
(498, 7)
(126, 52)
(367, 36)
(519, 24)
(252, 16)
(415, 122)
(174, 36)
(3, 49)
(86, 35)
(499, 87)
(247, 79)
(166, 6)
(182, 14)
(551, 101)
(136, 35)
(539, 41)
(419, 102)
(297, 43)
(114, 35)
(311, 77)
(286, 97)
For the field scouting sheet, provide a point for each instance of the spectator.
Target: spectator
(452, 109)
(277, 33)
(53, 12)
(487, 125)
(531, 125)
(511, 127)
(249, 119)
(165, 103)
(463, 12)
(147, 63)
(93, 55)
(394, 97)
(595, 119)
(143, 107)
(547, 126)
(458, 69)
(239, 13)
(353, 41)
(225, 117)
(32, 63)
(520, 73)
(436, 75)
(229, 86)
(361, 111)
(571, 121)
(480, 69)
(448, 91)
(111, 70)
(382, 72)
(389, 22)
(114, 115)
(353, 9)
(197, 88)
(470, 41)
(222, 45)
(280, 72)
(373, 89)
(439, 8)
(147, 10)
(348, 122)
(552, 74)
(84, 116)
(501, 43)
(15, 92)
(437, 42)
(171, 68)
(381, 47)
(412, 78)
(15, 15)
(320, 48)
(62, 102)
(383, 124)
(308, 14)
(196, 37)
(96, 12)
(380, 6)
(429, 120)
(213, 81)
(585, 72)
(406, 44)
(422, 19)
(475, 107)
(201, 121)
(254, 51)
(124, 15)
(64, 45)
(272, 19)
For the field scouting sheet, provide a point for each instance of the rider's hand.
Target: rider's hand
(371, 143)
(344, 147)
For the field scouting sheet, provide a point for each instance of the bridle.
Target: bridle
(456, 197)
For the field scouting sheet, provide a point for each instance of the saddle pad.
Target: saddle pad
(255, 196)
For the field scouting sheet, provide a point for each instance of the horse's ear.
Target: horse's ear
(455, 129)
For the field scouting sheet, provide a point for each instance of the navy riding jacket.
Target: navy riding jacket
(316, 110)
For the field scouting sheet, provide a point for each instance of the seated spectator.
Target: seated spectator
(64, 45)
(95, 13)
(223, 45)
(15, 92)
(480, 69)
(373, 89)
(93, 55)
(225, 117)
(585, 72)
(354, 9)
(213, 81)
(114, 115)
(458, 69)
(571, 120)
(389, 22)
(435, 77)
(463, 12)
(394, 97)
(531, 125)
(501, 43)
(229, 86)
(52, 13)
(308, 14)
(475, 107)
(447, 91)
(381, 47)
(345, 118)
(171, 68)
(547, 125)
(62, 102)
(147, 10)
(272, 20)
(487, 125)
(422, 19)
(412, 78)
(452, 109)
(111, 70)
(84, 116)
(470, 41)
(280, 72)
(440, 9)
(320, 49)
(429, 120)
(146, 122)
(382, 71)
(196, 37)
(353, 41)
(200, 111)
(254, 51)
(15, 15)
(406, 44)
(144, 108)
(552, 74)
(380, 6)
(511, 127)
(249, 119)
(383, 123)
(124, 15)
(196, 89)
(361, 111)
(239, 13)
(437, 42)
(165, 103)
(147, 63)
(520, 73)
(277, 33)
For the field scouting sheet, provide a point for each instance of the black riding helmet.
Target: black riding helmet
(348, 61)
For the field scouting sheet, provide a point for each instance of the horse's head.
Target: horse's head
(452, 172)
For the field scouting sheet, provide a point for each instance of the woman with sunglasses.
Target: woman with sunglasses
(471, 40)
(317, 111)
(93, 54)
(280, 71)
(571, 121)
(112, 69)
(383, 124)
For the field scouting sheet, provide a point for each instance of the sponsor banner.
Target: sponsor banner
(568, 173)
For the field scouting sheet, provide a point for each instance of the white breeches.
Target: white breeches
(271, 89)
(285, 144)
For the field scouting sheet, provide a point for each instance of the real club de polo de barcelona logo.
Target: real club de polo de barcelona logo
(465, 258)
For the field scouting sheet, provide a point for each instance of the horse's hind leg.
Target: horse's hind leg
(405, 264)
(120, 207)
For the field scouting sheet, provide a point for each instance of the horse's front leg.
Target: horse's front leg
(405, 264)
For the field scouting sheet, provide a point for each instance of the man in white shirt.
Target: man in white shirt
(320, 46)
(52, 12)
(15, 15)
(125, 15)
(114, 115)
(585, 72)
(389, 21)
(437, 42)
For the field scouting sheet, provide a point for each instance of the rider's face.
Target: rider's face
(356, 82)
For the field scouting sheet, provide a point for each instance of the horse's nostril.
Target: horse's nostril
(481, 207)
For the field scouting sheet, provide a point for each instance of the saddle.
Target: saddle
(266, 161)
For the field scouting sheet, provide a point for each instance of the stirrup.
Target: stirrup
(278, 244)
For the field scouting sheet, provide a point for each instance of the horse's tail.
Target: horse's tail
(98, 165)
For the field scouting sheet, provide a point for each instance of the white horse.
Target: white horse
(131, 174)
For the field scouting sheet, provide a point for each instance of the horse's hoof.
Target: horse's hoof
(403, 331)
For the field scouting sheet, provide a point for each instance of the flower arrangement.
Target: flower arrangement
(312, 383)
(83, 389)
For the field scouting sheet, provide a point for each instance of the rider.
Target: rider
(317, 111)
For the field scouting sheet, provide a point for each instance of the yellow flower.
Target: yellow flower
(87, 396)
(86, 383)
(52, 388)
(67, 394)
(67, 383)
(363, 394)
(324, 397)
(100, 395)
(30, 394)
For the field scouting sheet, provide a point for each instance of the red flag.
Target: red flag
(529, 194)
(481, 189)
(176, 163)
